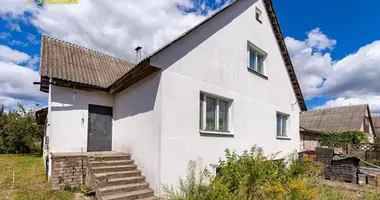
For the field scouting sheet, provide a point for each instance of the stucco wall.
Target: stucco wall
(68, 132)
(137, 126)
(214, 60)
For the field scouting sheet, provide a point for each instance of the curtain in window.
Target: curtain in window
(210, 113)
(223, 115)
(252, 59)
(279, 125)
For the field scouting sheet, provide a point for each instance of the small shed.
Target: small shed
(345, 169)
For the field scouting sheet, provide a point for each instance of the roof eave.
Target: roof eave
(138, 73)
(285, 54)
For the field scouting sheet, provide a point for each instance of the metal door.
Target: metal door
(99, 128)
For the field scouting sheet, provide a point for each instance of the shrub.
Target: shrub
(250, 175)
(334, 139)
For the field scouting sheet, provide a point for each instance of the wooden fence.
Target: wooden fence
(364, 151)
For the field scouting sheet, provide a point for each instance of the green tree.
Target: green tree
(19, 132)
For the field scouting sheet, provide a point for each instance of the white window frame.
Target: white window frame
(258, 53)
(287, 126)
(204, 113)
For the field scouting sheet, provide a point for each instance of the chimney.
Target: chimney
(138, 54)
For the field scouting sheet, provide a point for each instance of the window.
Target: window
(256, 59)
(214, 113)
(258, 15)
(282, 125)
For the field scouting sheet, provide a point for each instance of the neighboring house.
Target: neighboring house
(226, 83)
(338, 119)
(376, 125)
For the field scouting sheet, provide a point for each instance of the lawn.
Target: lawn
(30, 181)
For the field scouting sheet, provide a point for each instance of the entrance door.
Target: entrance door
(99, 128)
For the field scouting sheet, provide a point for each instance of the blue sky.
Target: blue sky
(323, 37)
(352, 24)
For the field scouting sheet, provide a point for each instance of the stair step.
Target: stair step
(122, 174)
(104, 191)
(117, 168)
(122, 181)
(150, 198)
(111, 163)
(139, 194)
(110, 157)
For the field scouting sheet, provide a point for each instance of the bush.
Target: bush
(19, 132)
(334, 139)
(250, 175)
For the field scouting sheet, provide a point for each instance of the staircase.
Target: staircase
(115, 177)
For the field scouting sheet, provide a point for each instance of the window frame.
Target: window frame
(287, 125)
(203, 114)
(258, 53)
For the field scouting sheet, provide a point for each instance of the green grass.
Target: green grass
(30, 181)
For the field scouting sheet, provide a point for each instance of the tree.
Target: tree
(19, 132)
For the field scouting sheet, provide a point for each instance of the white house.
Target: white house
(226, 83)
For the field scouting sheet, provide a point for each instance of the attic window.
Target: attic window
(258, 15)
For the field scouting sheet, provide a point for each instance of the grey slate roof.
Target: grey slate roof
(338, 119)
(66, 61)
(376, 124)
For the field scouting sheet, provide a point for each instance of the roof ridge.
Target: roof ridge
(321, 109)
(86, 48)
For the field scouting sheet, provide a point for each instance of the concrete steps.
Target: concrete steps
(109, 157)
(123, 181)
(140, 194)
(122, 174)
(117, 168)
(117, 178)
(111, 163)
(105, 191)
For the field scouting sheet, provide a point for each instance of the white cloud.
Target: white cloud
(17, 43)
(32, 39)
(373, 101)
(32, 63)
(15, 7)
(117, 28)
(349, 81)
(114, 28)
(311, 60)
(14, 26)
(320, 41)
(356, 74)
(4, 35)
(16, 84)
(10, 55)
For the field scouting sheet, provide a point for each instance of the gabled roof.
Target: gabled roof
(94, 68)
(338, 119)
(376, 125)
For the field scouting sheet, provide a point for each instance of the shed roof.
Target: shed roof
(338, 119)
(66, 61)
